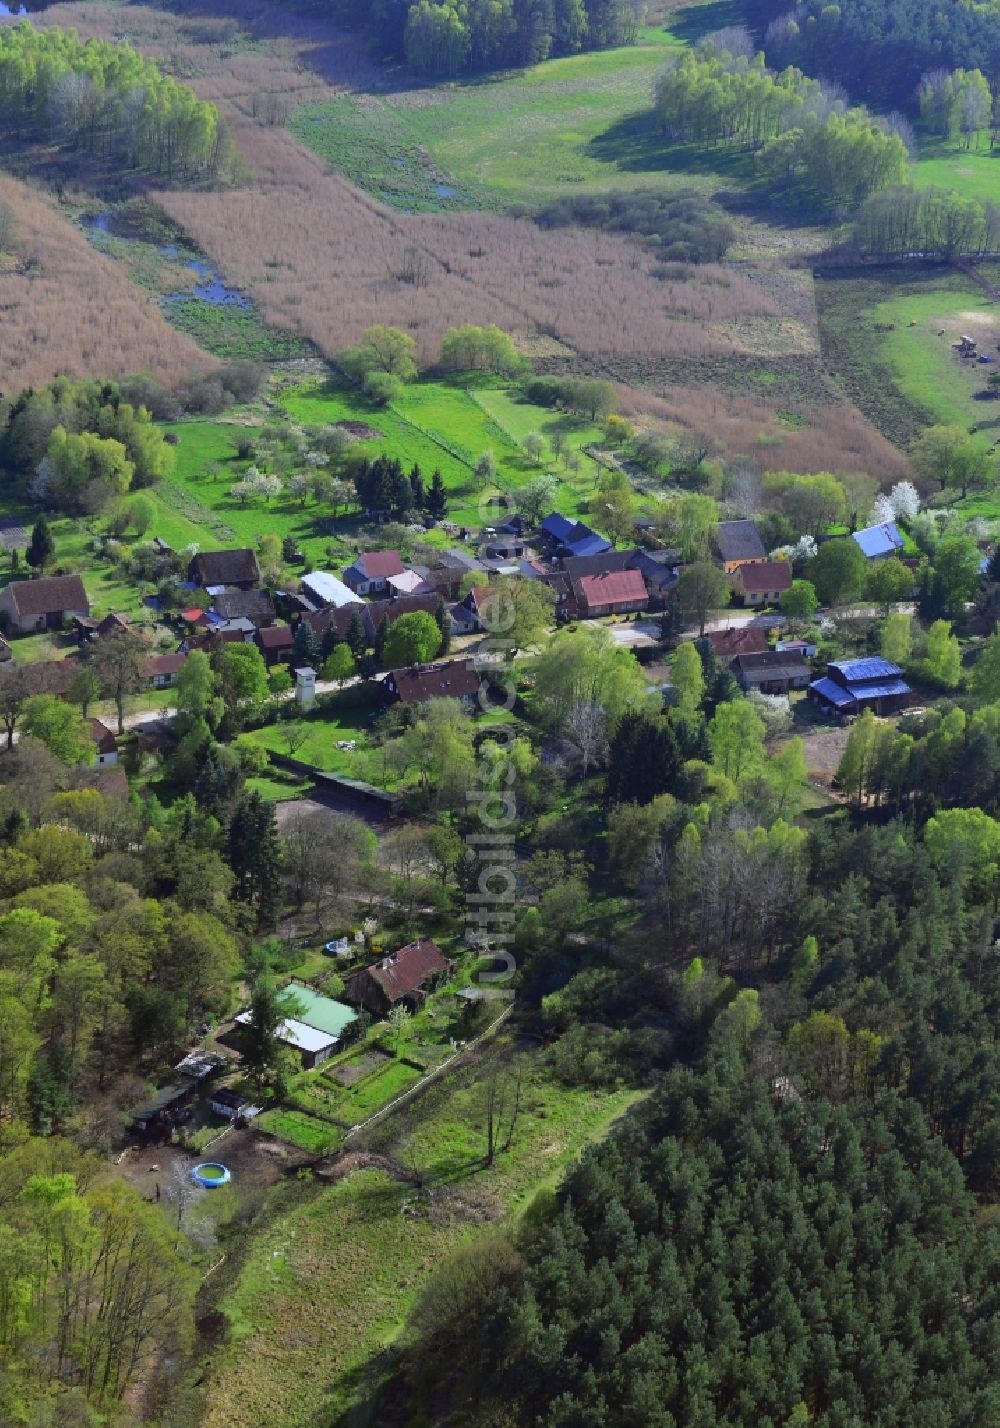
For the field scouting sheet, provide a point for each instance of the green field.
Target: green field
(573, 123)
(925, 366)
(974, 173)
(329, 1284)
(905, 377)
(448, 424)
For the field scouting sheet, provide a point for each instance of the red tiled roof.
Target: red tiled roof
(379, 564)
(163, 664)
(48, 596)
(103, 737)
(193, 614)
(766, 575)
(615, 587)
(745, 639)
(404, 972)
(276, 637)
(451, 679)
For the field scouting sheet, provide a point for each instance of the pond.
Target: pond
(210, 288)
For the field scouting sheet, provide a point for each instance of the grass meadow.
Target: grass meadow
(888, 333)
(329, 1284)
(521, 137)
(942, 163)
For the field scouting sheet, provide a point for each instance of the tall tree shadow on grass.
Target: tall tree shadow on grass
(635, 144)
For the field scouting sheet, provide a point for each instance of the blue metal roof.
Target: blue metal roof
(557, 526)
(856, 670)
(589, 545)
(831, 692)
(883, 691)
(879, 540)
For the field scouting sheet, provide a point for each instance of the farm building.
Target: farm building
(165, 1109)
(275, 643)
(879, 542)
(411, 582)
(44, 604)
(739, 543)
(773, 672)
(616, 593)
(853, 685)
(317, 1026)
(763, 582)
(369, 572)
(254, 605)
(225, 567)
(326, 589)
(403, 977)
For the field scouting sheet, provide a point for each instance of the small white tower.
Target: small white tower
(305, 687)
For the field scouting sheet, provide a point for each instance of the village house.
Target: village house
(469, 615)
(105, 743)
(409, 583)
(402, 978)
(225, 567)
(738, 543)
(763, 582)
(254, 605)
(617, 593)
(773, 672)
(742, 639)
(370, 570)
(161, 670)
(46, 604)
(853, 685)
(448, 679)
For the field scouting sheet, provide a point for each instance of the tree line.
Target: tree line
(472, 36)
(880, 49)
(106, 100)
(76, 445)
(806, 139)
(907, 222)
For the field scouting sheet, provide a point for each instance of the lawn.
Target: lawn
(337, 718)
(569, 124)
(328, 1285)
